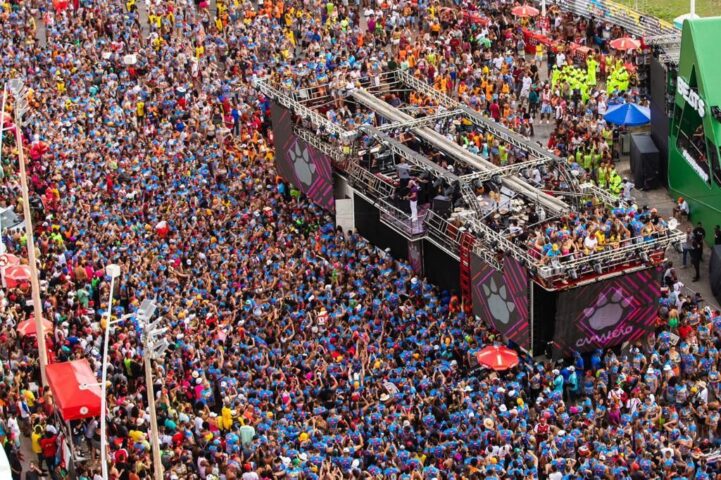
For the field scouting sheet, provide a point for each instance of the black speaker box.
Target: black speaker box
(715, 272)
(645, 162)
(442, 206)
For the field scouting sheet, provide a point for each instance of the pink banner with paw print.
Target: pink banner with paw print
(500, 298)
(608, 313)
(309, 170)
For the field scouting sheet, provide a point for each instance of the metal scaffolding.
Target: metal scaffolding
(408, 154)
(499, 131)
(458, 152)
(490, 245)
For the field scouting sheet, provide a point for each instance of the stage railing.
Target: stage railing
(631, 252)
(401, 221)
(444, 234)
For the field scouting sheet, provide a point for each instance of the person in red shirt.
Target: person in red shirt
(49, 446)
(684, 330)
(495, 110)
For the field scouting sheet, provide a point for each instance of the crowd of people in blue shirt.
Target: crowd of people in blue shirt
(297, 350)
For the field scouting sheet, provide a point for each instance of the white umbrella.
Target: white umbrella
(678, 21)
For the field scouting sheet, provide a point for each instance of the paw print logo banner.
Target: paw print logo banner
(501, 298)
(608, 313)
(309, 170)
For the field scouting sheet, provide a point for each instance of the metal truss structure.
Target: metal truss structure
(490, 245)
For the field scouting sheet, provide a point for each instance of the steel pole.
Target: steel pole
(2, 131)
(34, 281)
(104, 386)
(155, 441)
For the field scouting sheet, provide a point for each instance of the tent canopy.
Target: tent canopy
(75, 389)
(628, 114)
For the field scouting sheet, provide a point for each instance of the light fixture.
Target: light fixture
(597, 268)
(113, 270)
(573, 273)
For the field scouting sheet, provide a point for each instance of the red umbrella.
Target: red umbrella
(497, 357)
(28, 329)
(60, 5)
(8, 260)
(16, 274)
(162, 229)
(525, 11)
(625, 43)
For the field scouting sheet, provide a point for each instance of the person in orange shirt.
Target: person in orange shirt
(489, 91)
(411, 61)
(462, 88)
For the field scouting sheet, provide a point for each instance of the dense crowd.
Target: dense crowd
(297, 350)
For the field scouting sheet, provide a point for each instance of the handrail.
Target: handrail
(317, 119)
(630, 245)
(634, 22)
(401, 221)
(441, 233)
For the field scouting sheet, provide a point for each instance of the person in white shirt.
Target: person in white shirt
(628, 186)
(681, 208)
(526, 88)
(248, 473)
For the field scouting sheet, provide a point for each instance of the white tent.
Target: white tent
(5, 471)
(678, 21)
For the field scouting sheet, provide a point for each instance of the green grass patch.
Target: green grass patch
(670, 9)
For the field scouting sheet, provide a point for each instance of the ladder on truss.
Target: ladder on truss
(368, 183)
(470, 197)
(465, 249)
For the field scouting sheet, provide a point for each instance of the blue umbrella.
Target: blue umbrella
(628, 114)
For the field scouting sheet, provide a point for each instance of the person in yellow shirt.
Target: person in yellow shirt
(35, 441)
(136, 435)
(225, 422)
(29, 398)
(539, 54)
(140, 109)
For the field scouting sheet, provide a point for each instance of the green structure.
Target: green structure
(695, 135)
